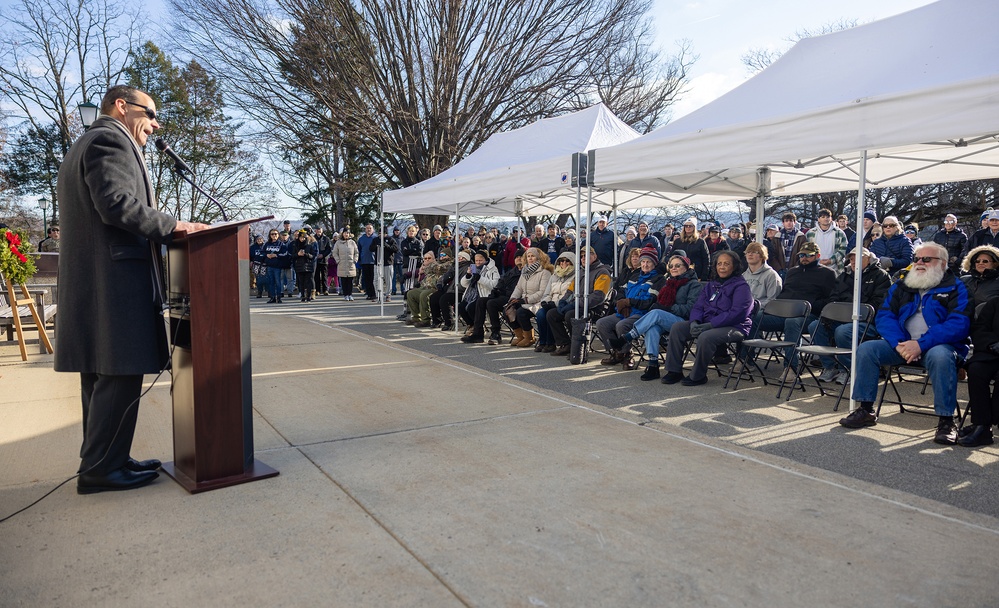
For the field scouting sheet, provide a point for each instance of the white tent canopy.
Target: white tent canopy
(526, 171)
(919, 91)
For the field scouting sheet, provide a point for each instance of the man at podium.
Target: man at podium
(111, 285)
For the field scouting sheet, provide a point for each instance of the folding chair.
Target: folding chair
(597, 313)
(835, 312)
(907, 369)
(731, 348)
(782, 309)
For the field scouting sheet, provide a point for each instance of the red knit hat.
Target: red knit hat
(649, 252)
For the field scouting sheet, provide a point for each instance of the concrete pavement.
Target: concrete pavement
(418, 471)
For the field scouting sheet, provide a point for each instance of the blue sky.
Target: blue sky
(721, 31)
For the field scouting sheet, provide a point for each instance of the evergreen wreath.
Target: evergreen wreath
(15, 263)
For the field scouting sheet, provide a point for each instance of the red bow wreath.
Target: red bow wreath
(14, 241)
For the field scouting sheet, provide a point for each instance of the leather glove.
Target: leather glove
(622, 304)
(697, 328)
(885, 262)
(994, 347)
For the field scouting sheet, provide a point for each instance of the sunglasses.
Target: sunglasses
(983, 261)
(676, 266)
(806, 255)
(925, 259)
(889, 225)
(150, 113)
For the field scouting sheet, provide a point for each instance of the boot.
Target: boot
(308, 295)
(528, 339)
(651, 372)
(518, 335)
(946, 431)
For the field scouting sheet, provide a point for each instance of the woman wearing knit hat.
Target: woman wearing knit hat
(640, 293)
(675, 300)
(720, 315)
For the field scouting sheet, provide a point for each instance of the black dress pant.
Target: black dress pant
(108, 422)
(321, 278)
(558, 323)
(440, 307)
(466, 310)
(479, 317)
(493, 308)
(368, 280)
(982, 398)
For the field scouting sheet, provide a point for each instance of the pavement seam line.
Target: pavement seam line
(433, 426)
(723, 450)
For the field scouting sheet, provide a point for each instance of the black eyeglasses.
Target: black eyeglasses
(150, 113)
(925, 259)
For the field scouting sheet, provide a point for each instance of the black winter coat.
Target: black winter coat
(985, 331)
(813, 283)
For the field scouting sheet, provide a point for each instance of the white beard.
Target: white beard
(926, 280)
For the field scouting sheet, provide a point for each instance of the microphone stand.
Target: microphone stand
(183, 174)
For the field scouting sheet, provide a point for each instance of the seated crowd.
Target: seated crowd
(670, 308)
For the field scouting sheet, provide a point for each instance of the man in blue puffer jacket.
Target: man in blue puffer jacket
(925, 319)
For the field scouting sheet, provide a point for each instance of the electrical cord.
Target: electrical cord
(168, 366)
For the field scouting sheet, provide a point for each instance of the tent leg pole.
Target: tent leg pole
(579, 236)
(381, 258)
(858, 276)
(457, 233)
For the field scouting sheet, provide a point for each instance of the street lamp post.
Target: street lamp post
(88, 114)
(43, 204)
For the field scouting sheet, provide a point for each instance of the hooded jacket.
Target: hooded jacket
(947, 310)
(488, 277)
(982, 286)
(725, 304)
(559, 286)
(765, 283)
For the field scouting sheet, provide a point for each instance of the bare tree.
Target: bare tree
(57, 53)
(416, 85)
(758, 59)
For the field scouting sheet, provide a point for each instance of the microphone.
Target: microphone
(179, 163)
(181, 167)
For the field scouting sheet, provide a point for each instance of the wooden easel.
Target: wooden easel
(28, 301)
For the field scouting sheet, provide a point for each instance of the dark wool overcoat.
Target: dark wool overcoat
(110, 306)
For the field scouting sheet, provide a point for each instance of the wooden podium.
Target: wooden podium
(208, 294)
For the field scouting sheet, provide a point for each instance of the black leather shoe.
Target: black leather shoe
(139, 466)
(672, 378)
(651, 373)
(688, 381)
(981, 434)
(119, 479)
(946, 431)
